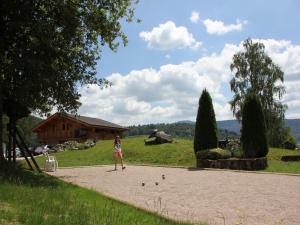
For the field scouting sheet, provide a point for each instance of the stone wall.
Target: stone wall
(234, 163)
(290, 158)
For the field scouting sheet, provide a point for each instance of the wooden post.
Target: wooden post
(27, 150)
(22, 150)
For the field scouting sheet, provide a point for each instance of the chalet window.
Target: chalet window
(63, 126)
(76, 133)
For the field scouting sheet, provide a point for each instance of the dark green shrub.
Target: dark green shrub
(253, 137)
(215, 153)
(206, 126)
(290, 142)
(237, 153)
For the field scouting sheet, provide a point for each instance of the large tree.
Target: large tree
(50, 47)
(256, 73)
(206, 126)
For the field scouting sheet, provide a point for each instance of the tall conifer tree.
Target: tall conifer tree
(206, 126)
(254, 137)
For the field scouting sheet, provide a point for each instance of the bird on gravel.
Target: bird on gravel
(156, 183)
(143, 184)
(163, 177)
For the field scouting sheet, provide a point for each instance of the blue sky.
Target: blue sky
(172, 57)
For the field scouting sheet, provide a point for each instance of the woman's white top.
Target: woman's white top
(117, 147)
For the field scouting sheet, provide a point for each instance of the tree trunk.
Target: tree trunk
(14, 144)
(1, 127)
(1, 85)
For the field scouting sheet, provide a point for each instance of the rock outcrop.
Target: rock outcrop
(158, 137)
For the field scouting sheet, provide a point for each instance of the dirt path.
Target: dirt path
(202, 195)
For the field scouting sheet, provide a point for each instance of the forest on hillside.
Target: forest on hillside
(24, 125)
(181, 130)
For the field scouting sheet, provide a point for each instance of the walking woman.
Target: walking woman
(118, 152)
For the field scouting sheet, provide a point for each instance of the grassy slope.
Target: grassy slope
(276, 165)
(178, 153)
(31, 199)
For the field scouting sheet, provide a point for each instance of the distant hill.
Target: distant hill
(294, 124)
(234, 125)
(185, 122)
(231, 125)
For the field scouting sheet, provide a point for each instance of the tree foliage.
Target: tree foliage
(256, 73)
(50, 47)
(24, 126)
(253, 137)
(206, 126)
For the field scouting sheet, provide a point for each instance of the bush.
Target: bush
(206, 126)
(70, 145)
(253, 138)
(81, 146)
(233, 144)
(290, 142)
(238, 153)
(215, 153)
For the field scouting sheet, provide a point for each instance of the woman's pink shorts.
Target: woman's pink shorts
(118, 154)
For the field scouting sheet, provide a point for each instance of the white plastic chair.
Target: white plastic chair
(51, 164)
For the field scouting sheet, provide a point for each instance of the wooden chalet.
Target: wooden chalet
(61, 127)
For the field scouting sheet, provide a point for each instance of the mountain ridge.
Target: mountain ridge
(234, 125)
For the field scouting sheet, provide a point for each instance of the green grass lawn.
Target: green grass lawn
(276, 165)
(178, 153)
(27, 198)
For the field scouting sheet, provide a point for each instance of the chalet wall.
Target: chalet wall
(61, 129)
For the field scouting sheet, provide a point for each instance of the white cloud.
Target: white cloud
(168, 94)
(219, 28)
(169, 36)
(171, 93)
(194, 18)
(285, 54)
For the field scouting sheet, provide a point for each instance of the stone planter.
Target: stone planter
(234, 163)
(288, 158)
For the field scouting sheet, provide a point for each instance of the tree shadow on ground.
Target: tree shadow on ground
(16, 174)
(194, 169)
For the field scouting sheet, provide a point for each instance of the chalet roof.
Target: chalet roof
(95, 121)
(83, 119)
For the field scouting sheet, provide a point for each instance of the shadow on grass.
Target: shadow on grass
(15, 173)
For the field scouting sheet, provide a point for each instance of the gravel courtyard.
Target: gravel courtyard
(215, 197)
